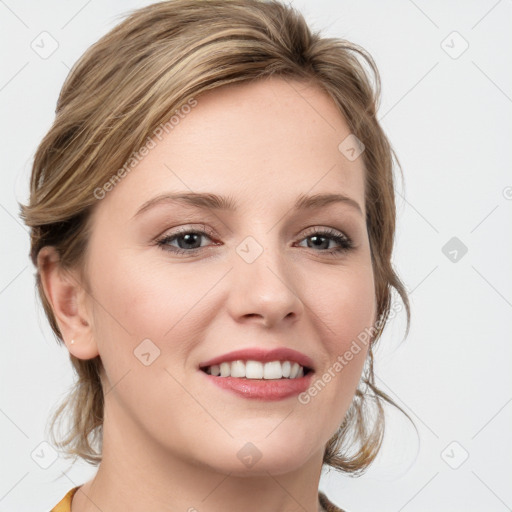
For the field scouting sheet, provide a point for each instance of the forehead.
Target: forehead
(264, 141)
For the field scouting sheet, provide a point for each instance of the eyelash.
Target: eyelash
(345, 242)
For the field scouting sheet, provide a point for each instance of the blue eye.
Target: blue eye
(319, 239)
(189, 241)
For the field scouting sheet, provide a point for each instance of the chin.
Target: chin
(275, 454)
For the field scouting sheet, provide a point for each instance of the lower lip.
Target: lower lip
(270, 389)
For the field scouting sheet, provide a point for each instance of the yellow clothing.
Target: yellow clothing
(65, 504)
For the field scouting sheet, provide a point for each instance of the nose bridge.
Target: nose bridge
(263, 284)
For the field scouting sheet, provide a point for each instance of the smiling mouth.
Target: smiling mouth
(256, 370)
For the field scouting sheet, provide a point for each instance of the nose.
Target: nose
(264, 291)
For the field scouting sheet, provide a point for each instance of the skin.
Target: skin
(170, 437)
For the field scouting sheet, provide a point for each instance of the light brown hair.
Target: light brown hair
(130, 82)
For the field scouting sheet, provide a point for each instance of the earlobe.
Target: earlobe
(67, 298)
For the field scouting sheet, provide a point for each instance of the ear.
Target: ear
(69, 300)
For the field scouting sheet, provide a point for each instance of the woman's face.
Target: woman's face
(251, 277)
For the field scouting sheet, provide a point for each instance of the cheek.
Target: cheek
(135, 303)
(345, 303)
(346, 310)
(163, 303)
(147, 301)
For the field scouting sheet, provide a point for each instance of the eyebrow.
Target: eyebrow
(228, 203)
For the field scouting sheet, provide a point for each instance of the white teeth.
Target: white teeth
(237, 369)
(225, 369)
(256, 370)
(272, 370)
(294, 370)
(253, 370)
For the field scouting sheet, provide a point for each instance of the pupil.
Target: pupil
(318, 238)
(189, 239)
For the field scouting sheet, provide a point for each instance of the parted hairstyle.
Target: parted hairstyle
(130, 83)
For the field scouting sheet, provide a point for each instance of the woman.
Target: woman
(212, 219)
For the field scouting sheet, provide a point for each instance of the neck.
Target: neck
(138, 474)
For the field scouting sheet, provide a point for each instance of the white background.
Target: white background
(449, 120)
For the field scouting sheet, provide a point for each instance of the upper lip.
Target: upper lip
(262, 355)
